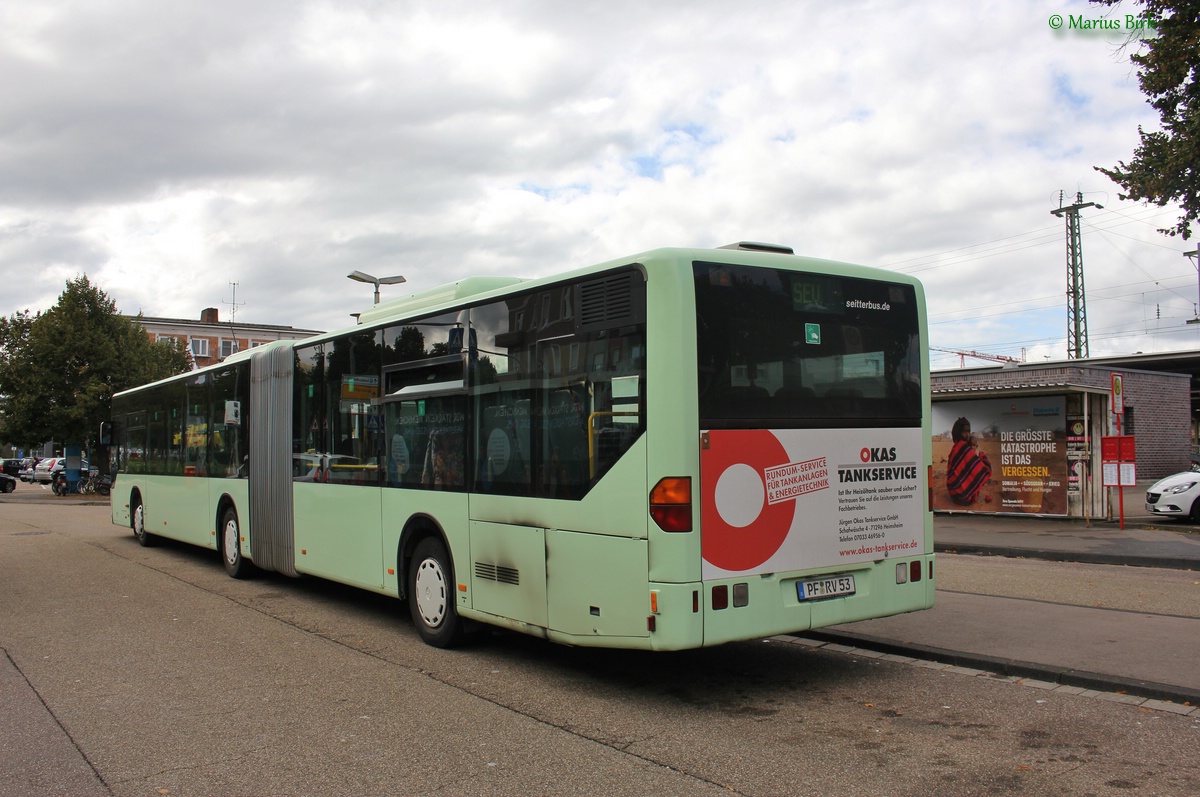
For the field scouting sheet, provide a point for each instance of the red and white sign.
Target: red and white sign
(784, 500)
(1118, 455)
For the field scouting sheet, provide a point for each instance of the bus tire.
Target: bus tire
(431, 595)
(138, 522)
(236, 565)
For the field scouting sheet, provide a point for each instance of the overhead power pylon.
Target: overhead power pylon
(1077, 337)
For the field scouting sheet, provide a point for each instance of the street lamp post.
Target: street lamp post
(359, 276)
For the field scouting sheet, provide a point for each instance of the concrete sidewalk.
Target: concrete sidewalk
(1145, 541)
(1133, 653)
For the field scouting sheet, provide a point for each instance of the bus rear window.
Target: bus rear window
(788, 349)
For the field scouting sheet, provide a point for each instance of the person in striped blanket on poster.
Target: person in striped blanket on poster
(967, 468)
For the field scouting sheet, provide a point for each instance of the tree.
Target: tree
(59, 369)
(1166, 164)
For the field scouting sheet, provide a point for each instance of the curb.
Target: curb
(59, 500)
(1084, 557)
(1063, 676)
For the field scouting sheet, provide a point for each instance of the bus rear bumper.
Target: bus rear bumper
(763, 606)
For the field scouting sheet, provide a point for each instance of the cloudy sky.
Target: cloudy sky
(169, 150)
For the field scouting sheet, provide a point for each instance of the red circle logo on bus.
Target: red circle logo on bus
(740, 529)
(865, 455)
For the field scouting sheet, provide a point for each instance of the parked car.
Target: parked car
(7, 483)
(47, 469)
(12, 467)
(1176, 496)
(41, 473)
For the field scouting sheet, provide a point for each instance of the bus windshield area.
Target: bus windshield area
(789, 349)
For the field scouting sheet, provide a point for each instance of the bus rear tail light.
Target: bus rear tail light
(909, 572)
(720, 595)
(671, 503)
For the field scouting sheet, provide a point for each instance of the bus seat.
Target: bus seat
(802, 393)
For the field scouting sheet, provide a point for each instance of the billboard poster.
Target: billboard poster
(775, 501)
(1001, 455)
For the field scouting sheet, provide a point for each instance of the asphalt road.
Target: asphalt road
(131, 671)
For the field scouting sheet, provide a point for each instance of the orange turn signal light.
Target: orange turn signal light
(671, 503)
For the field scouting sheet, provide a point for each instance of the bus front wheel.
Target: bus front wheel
(431, 594)
(144, 538)
(231, 549)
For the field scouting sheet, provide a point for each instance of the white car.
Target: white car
(42, 473)
(47, 469)
(1176, 496)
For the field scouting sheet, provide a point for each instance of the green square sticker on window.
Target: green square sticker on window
(812, 333)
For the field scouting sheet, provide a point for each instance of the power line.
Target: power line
(1041, 237)
(1106, 223)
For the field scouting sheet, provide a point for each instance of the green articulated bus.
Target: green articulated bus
(673, 450)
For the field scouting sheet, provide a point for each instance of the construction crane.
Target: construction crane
(964, 354)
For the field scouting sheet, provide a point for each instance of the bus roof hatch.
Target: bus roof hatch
(758, 246)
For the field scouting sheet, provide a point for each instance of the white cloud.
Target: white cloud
(168, 150)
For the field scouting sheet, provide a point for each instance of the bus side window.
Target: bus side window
(425, 447)
(443, 468)
(400, 459)
(615, 422)
(503, 443)
(566, 452)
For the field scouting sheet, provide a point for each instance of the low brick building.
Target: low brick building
(210, 340)
(1066, 407)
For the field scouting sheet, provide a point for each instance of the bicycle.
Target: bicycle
(89, 485)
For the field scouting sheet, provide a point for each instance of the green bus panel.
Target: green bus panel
(596, 586)
(179, 508)
(338, 532)
(508, 571)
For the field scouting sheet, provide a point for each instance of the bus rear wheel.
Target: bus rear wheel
(431, 595)
(236, 565)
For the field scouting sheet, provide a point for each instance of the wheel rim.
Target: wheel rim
(139, 522)
(231, 541)
(431, 592)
